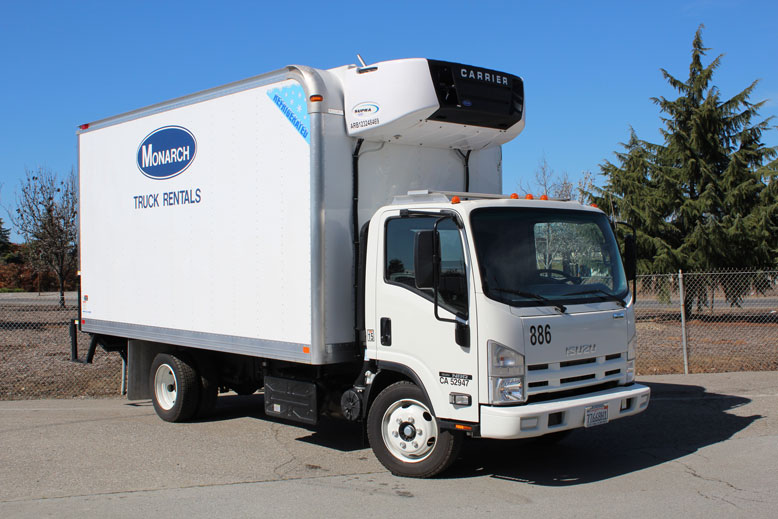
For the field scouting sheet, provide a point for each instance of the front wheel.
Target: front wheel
(405, 436)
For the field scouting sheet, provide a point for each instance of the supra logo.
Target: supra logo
(166, 152)
(572, 351)
(365, 109)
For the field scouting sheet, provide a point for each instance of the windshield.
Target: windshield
(531, 257)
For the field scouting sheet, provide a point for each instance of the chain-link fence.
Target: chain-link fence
(712, 322)
(707, 322)
(35, 351)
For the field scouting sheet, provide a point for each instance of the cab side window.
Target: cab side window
(399, 268)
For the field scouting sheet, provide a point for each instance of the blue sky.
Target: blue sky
(589, 67)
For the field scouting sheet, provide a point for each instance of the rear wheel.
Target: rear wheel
(405, 436)
(175, 387)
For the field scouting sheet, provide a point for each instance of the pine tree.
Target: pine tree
(705, 198)
(5, 239)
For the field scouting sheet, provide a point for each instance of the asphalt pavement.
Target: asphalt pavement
(706, 447)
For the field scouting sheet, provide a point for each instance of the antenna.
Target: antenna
(359, 57)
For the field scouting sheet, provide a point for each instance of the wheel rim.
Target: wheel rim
(165, 387)
(409, 430)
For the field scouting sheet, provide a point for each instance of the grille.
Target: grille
(579, 375)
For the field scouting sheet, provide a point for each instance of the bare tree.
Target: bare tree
(47, 218)
(545, 180)
(585, 186)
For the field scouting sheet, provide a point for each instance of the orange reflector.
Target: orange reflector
(514, 196)
(529, 196)
(463, 427)
(594, 205)
(84, 126)
(455, 199)
(316, 98)
(306, 349)
(544, 197)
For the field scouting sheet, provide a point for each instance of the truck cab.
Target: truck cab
(513, 317)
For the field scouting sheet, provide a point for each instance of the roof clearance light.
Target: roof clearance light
(455, 199)
(514, 196)
(529, 196)
(595, 206)
(84, 126)
(544, 197)
(316, 98)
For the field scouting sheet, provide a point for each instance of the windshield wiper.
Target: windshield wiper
(530, 295)
(608, 295)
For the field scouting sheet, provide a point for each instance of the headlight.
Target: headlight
(506, 375)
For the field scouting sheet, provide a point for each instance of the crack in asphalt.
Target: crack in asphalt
(693, 472)
(187, 487)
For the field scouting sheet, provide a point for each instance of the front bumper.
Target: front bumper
(531, 420)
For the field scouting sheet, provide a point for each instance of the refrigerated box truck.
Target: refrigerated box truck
(337, 238)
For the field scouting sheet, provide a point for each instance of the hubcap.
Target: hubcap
(409, 431)
(165, 387)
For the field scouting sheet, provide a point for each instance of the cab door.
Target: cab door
(408, 333)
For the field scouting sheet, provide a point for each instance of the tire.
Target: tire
(406, 437)
(175, 387)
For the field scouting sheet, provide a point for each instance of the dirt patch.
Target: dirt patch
(35, 354)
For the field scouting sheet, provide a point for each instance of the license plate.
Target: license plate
(596, 415)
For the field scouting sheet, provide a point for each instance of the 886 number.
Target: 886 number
(540, 334)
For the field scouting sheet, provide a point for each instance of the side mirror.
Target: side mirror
(423, 252)
(630, 257)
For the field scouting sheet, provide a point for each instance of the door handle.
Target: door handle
(386, 331)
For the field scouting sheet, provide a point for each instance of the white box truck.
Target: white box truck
(338, 239)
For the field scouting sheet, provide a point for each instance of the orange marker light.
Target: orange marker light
(594, 205)
(455, 199)
(529, 196)
(514, 196)
(306, 349)
(544, 197)
(316, 98)
(463, 427)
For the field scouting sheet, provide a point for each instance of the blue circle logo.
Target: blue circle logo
(166, 152)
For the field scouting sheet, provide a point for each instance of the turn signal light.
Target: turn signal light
(316, 98)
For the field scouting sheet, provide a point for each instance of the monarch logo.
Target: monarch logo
(166, 152)
(365, 109)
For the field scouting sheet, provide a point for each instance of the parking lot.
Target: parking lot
(705, 448)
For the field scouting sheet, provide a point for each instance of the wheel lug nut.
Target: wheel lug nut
(399, 421)
(394, 433)
(419, 432)
(402, 445)
(415, 445)
(410, 420)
